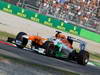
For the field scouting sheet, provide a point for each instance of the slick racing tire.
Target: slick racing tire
(49, 46)
(20, 41)
(83, 57)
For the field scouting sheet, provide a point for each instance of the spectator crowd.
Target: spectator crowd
(81, 12)
(85, 13)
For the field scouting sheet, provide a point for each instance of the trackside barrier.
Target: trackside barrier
(49, 21)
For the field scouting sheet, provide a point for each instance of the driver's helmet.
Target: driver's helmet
(61, 36)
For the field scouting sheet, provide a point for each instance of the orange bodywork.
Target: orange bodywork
(40, 41)
(37, 39)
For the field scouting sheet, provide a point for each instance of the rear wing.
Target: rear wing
(82, 43)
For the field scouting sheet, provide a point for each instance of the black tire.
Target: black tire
(83, 57)
(19, 35)
(49, 46)
(21, 39)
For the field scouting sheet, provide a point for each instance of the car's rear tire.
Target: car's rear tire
(49, 46)
(83, 57)
(23, 41)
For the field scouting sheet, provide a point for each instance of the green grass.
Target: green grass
(96, 63)
(5, 35)
(95, 56)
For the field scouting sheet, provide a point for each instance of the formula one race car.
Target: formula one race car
(58, 46)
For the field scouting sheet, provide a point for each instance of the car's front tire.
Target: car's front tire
(20, 41)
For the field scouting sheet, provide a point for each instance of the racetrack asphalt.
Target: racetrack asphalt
(51, 62)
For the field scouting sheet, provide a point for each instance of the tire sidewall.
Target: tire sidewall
(83, 57)
(20, 39)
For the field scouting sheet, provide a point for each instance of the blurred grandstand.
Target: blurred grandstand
(85, 13)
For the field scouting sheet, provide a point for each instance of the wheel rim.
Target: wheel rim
(86, 60)
(18, 42)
